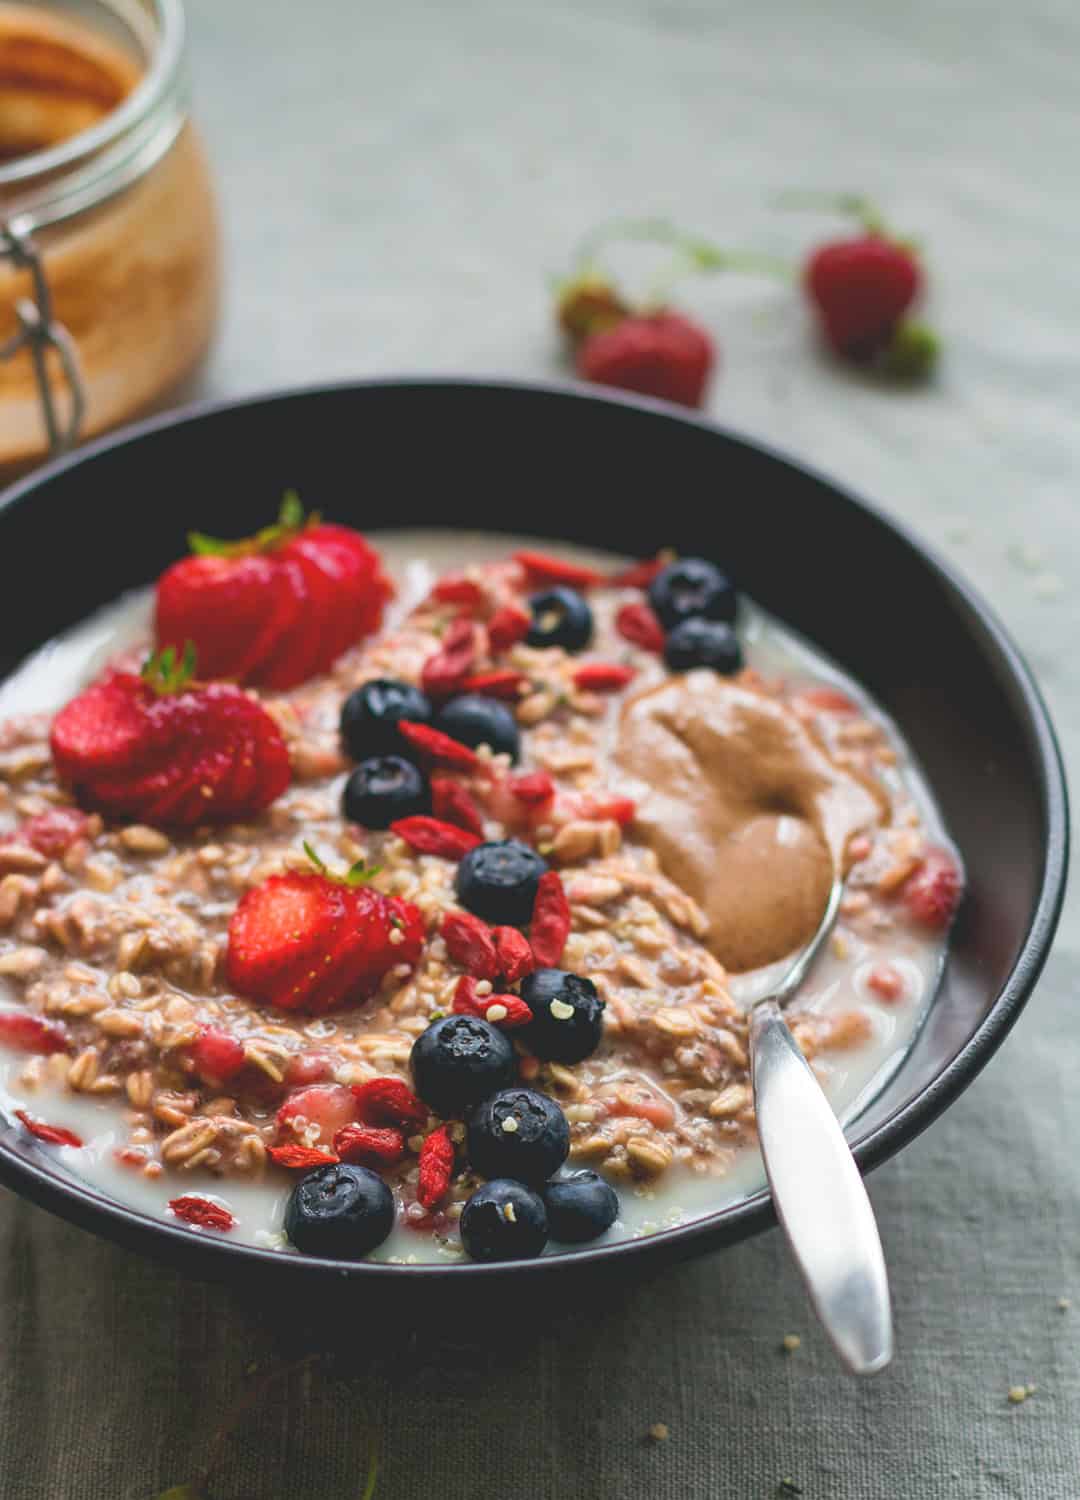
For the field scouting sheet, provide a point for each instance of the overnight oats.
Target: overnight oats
(408, 903)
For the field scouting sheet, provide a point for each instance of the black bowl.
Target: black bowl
(633, 476)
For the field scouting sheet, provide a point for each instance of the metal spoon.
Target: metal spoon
(819, 1196)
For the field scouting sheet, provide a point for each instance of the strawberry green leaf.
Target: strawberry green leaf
(291, 514)
(290, 523)
(316, 860)
(166, 673)
(361, 873)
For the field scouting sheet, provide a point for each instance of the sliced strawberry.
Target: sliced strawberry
(228, 607)
(285, 666)
(309, 942)
(933, 892)
(330, 1106)
(30, 1033)
(217, 1056)
(276, 927)
(101, 730)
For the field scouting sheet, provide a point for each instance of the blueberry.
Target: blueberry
(561, 617)
(498, 881)
(339, 1211)
(692, 589)
(703, 643)
(458, 1061)
(476, 720)
(568, 1015)
(384, 788)
(518, 1133)
(369, 716)
(580, 1206)
(504, 1220)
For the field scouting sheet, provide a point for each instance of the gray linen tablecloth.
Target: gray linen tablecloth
(397, 182)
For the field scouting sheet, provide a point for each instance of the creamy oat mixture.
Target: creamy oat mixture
(122, 938)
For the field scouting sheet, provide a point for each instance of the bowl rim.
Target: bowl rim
(217, 1256)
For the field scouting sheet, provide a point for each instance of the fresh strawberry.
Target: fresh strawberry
(933, 892)
(217, 1056)
(163, 750)
(30, 1033)
(661, 354)
(315, 941)
(861, 289)
(278, 607)
(327, 1106)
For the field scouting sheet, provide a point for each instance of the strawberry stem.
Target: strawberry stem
(853, 205)
(166, 673)
(694, 253)
(289, 524)
(360, 873)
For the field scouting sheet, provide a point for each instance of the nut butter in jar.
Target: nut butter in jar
(108, 231)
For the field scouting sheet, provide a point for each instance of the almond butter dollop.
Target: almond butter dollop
(744, 808)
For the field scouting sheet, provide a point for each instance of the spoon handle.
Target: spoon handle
(819, 1197)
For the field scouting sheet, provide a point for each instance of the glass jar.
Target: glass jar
(108, 230)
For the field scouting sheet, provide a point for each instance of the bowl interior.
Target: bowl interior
(631, 477)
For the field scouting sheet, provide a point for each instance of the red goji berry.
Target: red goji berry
(456, 588)
(640, 574)
(439, 747)
(532, 788)
(545, 571)
(56, 1135)
(444, 673)
(454, 803)
(202, 1212)
(505, 684)
(638, 623)
(506, 1011)
(431, 836)
(621, 810)
(515, 958)
(389, 1101)
(29, 1033)
(602, 676)
(301, 1156)
(436, 1168)
(470, 944)
(550, 925)
(507, 626)
(370, 1145)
